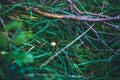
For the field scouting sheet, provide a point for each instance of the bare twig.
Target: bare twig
(6, 32)
(63, 49)
(93, 14)
(102, 41)
(57, 75)
(88, 13)
(74, 17)
(113, 26)
(32, 47)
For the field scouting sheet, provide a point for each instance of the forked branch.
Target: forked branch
(74, 17)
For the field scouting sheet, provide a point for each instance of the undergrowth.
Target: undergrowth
(26, 37)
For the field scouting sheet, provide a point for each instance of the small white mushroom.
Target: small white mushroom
(53, 44)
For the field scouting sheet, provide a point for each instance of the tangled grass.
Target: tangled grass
(82, 49)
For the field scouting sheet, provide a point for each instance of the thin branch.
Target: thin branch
(74, 17)
(63, 49)
(113, 26)
(57, 75)
(93, 14)
(4, 26)
(83, 13)
(32, 47)
(102, 41)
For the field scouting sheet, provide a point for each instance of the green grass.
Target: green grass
(31, 35)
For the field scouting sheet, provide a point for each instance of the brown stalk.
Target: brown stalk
(74, 17)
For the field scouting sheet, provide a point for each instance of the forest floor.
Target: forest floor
(60, 40)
